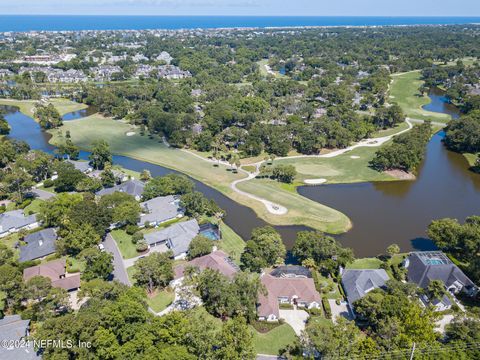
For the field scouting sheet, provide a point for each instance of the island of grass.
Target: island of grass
(27, 107)
(404, 91)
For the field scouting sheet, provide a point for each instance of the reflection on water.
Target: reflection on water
(400, 211)
(439, 103)
(240, 218)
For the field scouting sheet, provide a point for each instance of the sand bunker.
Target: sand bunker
(314, 181)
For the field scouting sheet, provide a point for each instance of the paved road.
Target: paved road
(119, 270)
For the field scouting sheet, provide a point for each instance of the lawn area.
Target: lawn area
(87, 130)
(365, 263)
(301, 211)
(74, 265)
(404, 91)
(34, 207)
(27, 107)
(391, 131)
(95, 127)
(161, 300)
(339, 169)
(273, 341)
(471, 158)
(124, 243)
(231, 242)
(130, 272)
(263, 70)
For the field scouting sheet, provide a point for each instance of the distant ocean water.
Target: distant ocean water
(101, 22)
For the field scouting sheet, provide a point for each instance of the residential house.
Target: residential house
(132, 187)
(160, 209)
(39, 245)
(298, 290)
(425, 266)
(358, 283)
(5, 73)
(165, 56)
(14, 330)
(291, 271)
(172, 72)
(216, 260)
(83, 166)
(144, 70)
(176, 238)
(56, 272)
(104, 72)
(15, 220)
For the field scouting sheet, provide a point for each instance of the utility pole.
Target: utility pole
(413, 352)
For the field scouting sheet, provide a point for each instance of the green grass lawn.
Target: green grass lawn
(391, 131)
(87, 130)
(124, 243)
(130, 272)
(161, 300)
(365, 263)
(231, 242)
(404, 91)
(264, 72)
(74, 265)
(339, 169)
(273, 341)
(471, 158)
(301, 211)
(34, 207)
(27, 107)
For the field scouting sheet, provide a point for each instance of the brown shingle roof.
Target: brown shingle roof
(302, 288)
(55, 271)
(216, 260)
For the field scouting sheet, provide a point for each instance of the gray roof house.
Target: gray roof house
(13, 328)
(176, 237)
(82, 166)
(39, 244)
(132, 187)
(357, 283)
(13, 221)
(425, 266)
(160, 209)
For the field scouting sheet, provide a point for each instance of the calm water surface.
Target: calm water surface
(399, 212)
(105, 22)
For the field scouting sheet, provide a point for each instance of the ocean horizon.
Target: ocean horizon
(24, 23)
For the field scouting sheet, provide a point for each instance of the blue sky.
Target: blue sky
(245, 7)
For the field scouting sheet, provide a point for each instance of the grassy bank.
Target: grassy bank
(272, 342)
(27, 107)
(404, 91)
(301, 210)
(346, 168)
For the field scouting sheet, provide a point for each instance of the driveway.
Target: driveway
(295, 318)
(119, 270)
(42, 194)
(159, 248)
(340, 310)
